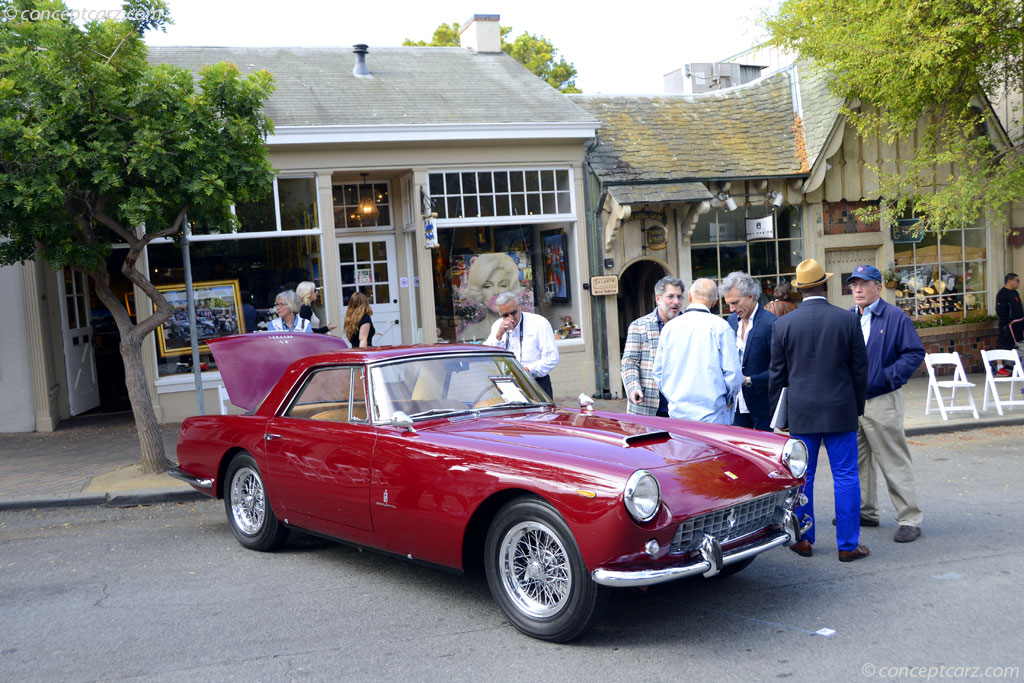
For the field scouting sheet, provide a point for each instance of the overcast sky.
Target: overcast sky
(622, 48)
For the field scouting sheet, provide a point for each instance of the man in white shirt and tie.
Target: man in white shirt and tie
(528, 336)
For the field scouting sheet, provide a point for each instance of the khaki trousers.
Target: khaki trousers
(881, 441)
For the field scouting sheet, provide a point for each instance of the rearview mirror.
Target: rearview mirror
(402, 421)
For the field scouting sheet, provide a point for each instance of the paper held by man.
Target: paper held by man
(781, 416)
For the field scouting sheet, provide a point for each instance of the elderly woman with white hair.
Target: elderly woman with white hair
(287, 305)
(308, 296)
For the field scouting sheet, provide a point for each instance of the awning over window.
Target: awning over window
(660, 192)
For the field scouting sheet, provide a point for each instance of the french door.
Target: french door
(368, 265)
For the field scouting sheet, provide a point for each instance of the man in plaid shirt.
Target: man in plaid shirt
(642, 395)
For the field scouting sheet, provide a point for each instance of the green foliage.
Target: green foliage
(93, 135)
(923, 65)
(945, 320)
(536, 53)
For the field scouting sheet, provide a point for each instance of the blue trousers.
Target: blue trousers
(842, 458)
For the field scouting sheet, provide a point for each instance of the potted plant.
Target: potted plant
(889, 278)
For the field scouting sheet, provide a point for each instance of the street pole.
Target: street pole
(193, 332)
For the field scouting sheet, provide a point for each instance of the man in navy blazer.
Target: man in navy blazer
(818, 356)
(753, 327)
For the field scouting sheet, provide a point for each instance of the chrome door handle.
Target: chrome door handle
(268, 437)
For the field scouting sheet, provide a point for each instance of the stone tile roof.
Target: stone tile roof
(821, 109)
(660, 192)
(743, 132)
(409, 86)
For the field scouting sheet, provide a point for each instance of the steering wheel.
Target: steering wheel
(479, 401)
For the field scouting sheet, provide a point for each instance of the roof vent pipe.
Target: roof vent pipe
(360, 69)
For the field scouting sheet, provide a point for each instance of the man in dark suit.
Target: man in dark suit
(753, 327)
(818, 355)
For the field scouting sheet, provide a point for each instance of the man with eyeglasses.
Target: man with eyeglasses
(528, 336)
(895, 352)
(642, 393)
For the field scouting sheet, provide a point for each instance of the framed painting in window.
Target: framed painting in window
(555, 247)
(218, 308)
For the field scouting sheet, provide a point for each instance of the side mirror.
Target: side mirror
(402, 421)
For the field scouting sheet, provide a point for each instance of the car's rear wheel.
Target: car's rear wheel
(537, 575)
(249, 513)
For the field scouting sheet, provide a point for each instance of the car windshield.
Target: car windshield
(424, 387)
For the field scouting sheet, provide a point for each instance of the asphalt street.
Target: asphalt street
(165, 593)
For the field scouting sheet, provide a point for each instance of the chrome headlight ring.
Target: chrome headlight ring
(794, 457)
(642, 496)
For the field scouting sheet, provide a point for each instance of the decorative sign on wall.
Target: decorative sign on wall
(761, 228)
(604, 285)
(907, 231)
(657, 237)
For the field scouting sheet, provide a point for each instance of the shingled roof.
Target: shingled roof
(750, 131)
(409, 86)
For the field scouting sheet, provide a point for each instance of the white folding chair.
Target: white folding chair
(991, 380)
(222, 399)
(959, 381)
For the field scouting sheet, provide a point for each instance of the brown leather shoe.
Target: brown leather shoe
(906, 534)
(803, 548)
(855, 554)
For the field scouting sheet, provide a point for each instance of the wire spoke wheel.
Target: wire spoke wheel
(248, 501)
(250, 514)
(535, 569)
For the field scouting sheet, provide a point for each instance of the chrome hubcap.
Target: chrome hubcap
(535, 569)
(248, 502)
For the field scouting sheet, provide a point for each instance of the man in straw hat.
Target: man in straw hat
(818, 356)
(894, 351)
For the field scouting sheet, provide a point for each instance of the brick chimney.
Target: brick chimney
(481, 34)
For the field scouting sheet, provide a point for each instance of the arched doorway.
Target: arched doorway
(636, 293)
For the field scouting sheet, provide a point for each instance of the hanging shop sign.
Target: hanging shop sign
(761, 228)
(907, 231)
(657, 237)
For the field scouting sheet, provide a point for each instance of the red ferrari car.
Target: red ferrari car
(453, 455)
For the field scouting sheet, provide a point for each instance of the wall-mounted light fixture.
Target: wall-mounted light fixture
(776, 198)
(730, 203)
(368, 211)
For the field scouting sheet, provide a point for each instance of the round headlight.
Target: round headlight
(794, 456)
(642, 496)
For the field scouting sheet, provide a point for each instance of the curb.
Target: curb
(120, 499)
(945, 428)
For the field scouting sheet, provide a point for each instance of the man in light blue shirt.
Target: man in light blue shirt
(698, 365)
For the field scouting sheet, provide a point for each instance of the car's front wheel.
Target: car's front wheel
(537, 575)
(249, 513)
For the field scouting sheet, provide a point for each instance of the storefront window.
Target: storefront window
(942, 275)
(290, 205)
(487, 194)
(473, 265)
(346, 201)
(719, 246)
(235, 282)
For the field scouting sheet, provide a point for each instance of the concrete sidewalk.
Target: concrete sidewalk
(93, 460)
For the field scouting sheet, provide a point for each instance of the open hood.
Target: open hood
(251, 364)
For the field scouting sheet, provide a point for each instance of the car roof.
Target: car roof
(374, 354)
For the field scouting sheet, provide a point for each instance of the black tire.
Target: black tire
(537, 575)
(735, 567)
(250, 516)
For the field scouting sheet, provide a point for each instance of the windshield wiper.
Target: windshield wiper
(516, 404)
(439, 411)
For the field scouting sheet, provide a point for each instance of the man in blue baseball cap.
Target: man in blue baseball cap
(895, 351)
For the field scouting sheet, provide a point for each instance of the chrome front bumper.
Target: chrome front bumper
(177, 473)
(711, 561)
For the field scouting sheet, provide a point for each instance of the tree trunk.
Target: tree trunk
(150, 440)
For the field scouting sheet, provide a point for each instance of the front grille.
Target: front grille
(728, 523)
